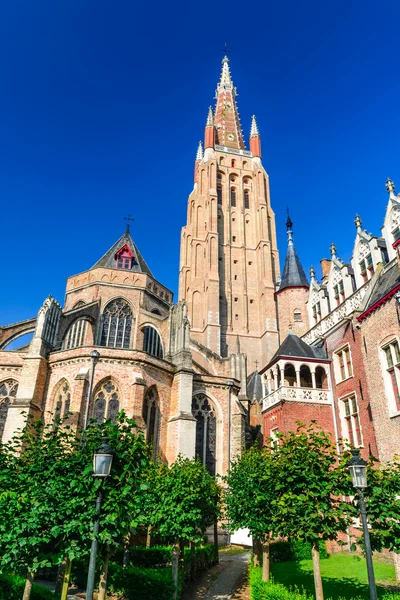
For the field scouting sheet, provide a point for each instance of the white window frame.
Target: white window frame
(349, 420)
(337, 367)
(393, 404)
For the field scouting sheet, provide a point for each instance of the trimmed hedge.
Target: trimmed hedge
(294, 550)
(156, 556)
(137, 583)
(12, 588)
(205, 557)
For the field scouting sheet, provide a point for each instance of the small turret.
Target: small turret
(199, 157)
(209, 131)
(255, 140)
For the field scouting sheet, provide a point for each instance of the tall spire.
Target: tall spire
(209, 131)
(210, 118)
(254, 127)
(293, 273)
(227, 121)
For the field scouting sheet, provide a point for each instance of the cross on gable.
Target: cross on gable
(128, 225)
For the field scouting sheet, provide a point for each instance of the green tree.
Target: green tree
(47, 494)
(180, 501)
(249, 498)
(308, 485)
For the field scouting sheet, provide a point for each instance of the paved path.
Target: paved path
(231, 582)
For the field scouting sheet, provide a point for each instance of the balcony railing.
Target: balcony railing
(337, 315)
(296, 394)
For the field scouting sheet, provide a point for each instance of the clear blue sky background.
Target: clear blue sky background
(102, 104)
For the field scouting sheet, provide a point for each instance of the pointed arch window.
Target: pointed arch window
(106, 402)
(151, 416)
(152, 342)
(246, 198)
(206, 432)
(8, 392)
(117, 325)
(233, 197)
(219, 194)
(62, 401)
(75, 335)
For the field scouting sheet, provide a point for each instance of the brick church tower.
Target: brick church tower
(229, 259)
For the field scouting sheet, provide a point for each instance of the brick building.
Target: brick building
(189, 372)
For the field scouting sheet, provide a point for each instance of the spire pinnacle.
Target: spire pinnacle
(358, 223)
(312, 273)
(390, 186)
(199, 154)
(210, 118)
(289, 228)
(225, 80)
(228, 130)
(254, 127)
(333, 250)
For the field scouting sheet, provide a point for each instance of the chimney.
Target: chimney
(325, 267)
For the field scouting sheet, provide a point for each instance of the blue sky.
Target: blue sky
(102, 105)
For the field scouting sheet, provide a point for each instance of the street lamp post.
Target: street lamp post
(102, 462)
(230, 384)
(358, 471)
(94, 355)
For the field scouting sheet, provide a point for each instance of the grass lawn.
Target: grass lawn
(232, 550)
(342, 576)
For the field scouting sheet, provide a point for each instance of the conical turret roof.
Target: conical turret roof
(293, 273)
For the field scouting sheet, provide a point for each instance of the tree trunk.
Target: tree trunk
(104, 575)
(192, 561)
(256, 553)
(60, 576)
(28, 586)
(67, 575)
(148, 537)
(216, 546)
(181, 549)
(319, 592)
(175, 566)
(396, 563)
(266, 560)
(127, 543)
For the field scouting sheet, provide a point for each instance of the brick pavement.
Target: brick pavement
(231, 583)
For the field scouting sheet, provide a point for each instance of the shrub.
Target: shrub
(294, 550)
(205, 557)
(12, 588)
(136, 583)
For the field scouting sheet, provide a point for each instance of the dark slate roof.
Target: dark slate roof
(138, 263)
(254, 387)
(294, 346)
(293, 272)
(385, 283)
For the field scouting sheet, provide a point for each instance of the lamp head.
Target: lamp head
(102, 460)
(94, 354)
(358, 470)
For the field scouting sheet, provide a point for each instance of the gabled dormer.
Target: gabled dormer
(124, 255)
(391, 222)
(368, 252)
(340, 282)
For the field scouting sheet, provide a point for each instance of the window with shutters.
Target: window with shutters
(391, 353)
(206, 431)
(8, 392)
(117, 324)
(106, 404)
(152, 342)
(351, 421)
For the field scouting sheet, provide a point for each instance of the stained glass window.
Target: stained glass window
(206, 431)
(151, 416)
(117, 324)
(106, 402)
(75, 335)
(8, 391)
(152, 342)
(62, 401)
